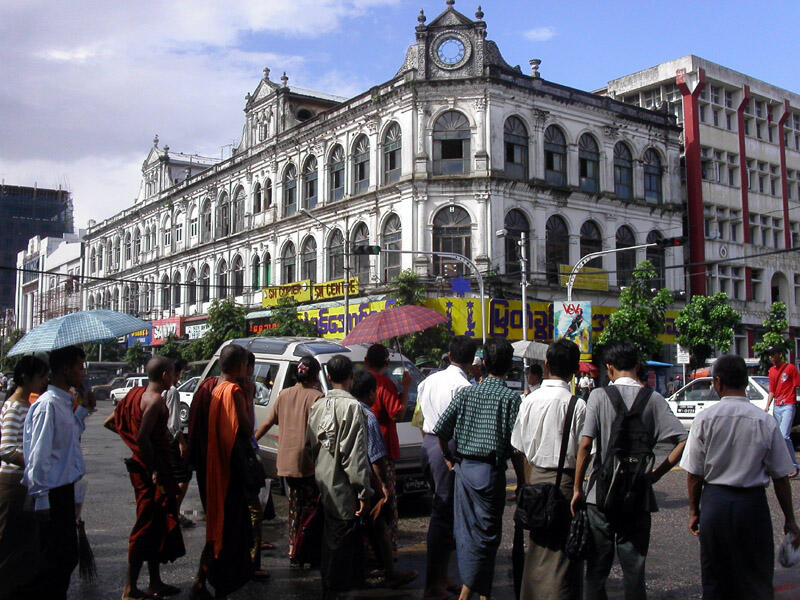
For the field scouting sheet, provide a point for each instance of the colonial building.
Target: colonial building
(742, 181)
(48, 279)
(458, 152)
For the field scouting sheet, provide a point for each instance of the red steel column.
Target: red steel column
(694, 188)
(744, 185)
(787, 235)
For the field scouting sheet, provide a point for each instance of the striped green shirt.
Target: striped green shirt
(481, 418)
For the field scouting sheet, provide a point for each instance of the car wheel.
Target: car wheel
(183, 412)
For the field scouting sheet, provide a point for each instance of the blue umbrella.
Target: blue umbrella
(77, 328)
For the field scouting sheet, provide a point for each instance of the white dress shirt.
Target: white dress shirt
(437, 391)
(532, 390)
(540, 423)
(737, 444)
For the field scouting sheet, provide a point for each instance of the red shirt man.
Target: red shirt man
(389, 406)
(783, 380)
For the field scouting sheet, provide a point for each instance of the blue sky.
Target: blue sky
(93, 82)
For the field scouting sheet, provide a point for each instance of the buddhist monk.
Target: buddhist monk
(198, 432)
(225, 562)
(141, 421)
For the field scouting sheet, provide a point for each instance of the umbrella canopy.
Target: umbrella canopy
(531, 350)
(77, 328)
(392, 322)
(586, 367)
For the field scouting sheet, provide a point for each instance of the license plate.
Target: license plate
(683, 410)
(414, 484)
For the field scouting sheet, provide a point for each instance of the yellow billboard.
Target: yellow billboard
(588, 278)
(299, 291)
(333, 289)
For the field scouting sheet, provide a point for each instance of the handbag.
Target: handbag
(579, 537)
(250, 470)
(541, 507)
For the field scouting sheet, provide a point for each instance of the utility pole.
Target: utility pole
(523, 261)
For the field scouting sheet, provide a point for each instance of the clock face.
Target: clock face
(451, 51)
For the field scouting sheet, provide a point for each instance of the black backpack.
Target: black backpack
(621, 478)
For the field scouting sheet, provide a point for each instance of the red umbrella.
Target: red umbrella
(585, 367)
(392, 322)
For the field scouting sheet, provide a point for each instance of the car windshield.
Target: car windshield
(762, 381)
(189, 385)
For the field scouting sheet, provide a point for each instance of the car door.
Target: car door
(693, 398)
(268, 377)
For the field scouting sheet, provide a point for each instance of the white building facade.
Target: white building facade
(455, 148)
(742, 157)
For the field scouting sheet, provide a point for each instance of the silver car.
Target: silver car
(276, 360)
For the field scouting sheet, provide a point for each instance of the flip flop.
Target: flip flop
(165, 591)
(400, 579)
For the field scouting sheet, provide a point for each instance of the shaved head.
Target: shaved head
(232, 358)
(157, 367)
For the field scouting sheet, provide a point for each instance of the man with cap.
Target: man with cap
(783, 383)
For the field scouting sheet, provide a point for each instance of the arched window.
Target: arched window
(336, 166)
(115, 299)
(237, 222)
(99, 258)
(205, 221)
(657, 257)
(178, 228)
(238, 276)
(267, 194)
(515, 224)
(623, 171)
(126, 299)
(652, 176)
(154, 237)
(166, 227)
(137, 242)
(223, 216)
(392, 143)
(176, 290)
(556, 247)
(267, 269)
(555, 156)
(361, 164)
(591, 241)
(589, 164)
(310, 182)
(222, 279)
(128, 247)
(147, 240)
(288, 263)
(451, 135)
(452, 232)
(290, 191)
(90, 302)
(116, 252)
(626, 261)
(93, 261)
(392, 240)
(336, 255)
(205, 284)
(135, 299)
(361, 238)
(256, 198)
(165, 293)
(309, 258)
(255, 274)
(191, 286)
(515, 138)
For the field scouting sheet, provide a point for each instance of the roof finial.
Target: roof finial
(479, 13)
(534, 63)
(166, 149)
(266, 73)
(421, 16)
(155, 141)
(284, 79)
(451, 2)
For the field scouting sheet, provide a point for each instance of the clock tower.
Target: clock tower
(452, 46)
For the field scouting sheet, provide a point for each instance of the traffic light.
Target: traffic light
(366, 249)
(671, 242)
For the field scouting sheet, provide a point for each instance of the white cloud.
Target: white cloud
(92, 83)
(541, 34)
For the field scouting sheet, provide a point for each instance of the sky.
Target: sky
(86, 85)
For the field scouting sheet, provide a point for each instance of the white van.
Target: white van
(276, 360)
(130, 383)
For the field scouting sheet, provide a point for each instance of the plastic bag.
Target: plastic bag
(788, 555)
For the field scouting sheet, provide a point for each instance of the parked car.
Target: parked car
(276, 359)
(103, 391)
(119, 393)
(186, 393)
(699, 394)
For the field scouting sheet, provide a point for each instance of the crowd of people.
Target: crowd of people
(594, 460)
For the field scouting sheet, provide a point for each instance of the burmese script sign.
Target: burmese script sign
(305, 291)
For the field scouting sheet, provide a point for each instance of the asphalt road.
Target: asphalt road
(672, 566)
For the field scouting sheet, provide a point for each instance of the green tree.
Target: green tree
(776, 326)
(195, 350)
(289, 322)
(136, 357)
(226, 321)
(640, 317)
(409, 288)
(171, 347)
(9, 362)
(706, 324)
(112, 351)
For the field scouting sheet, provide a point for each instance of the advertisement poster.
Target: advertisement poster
(573, 321)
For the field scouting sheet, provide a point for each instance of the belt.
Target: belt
(489, 460)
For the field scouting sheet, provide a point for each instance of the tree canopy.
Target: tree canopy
(775, 329)
(706, 324)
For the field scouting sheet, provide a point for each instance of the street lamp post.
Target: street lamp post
(523, 261)
(590, 257)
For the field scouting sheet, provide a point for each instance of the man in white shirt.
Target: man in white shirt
(434, 396)
(533, 375)
(733, 450)
(537, 434)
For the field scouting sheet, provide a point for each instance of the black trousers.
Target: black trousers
(59, 546)
(736, 545)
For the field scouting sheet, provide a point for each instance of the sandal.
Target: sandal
(400, 578)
